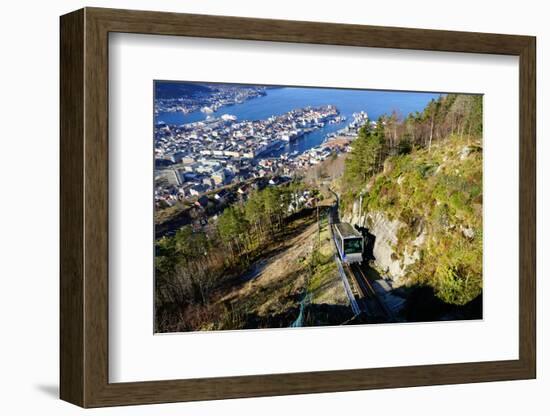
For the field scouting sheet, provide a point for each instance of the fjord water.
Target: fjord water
(282, 100)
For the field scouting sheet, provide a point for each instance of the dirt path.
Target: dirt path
(274, 283)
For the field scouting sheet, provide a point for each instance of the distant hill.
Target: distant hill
(179, 89)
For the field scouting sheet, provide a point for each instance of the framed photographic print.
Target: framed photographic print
(256, 207)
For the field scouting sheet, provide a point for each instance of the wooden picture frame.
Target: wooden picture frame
(84, 207)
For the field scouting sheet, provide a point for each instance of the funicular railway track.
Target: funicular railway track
(373, 305)
(366, 297)
(361, 296)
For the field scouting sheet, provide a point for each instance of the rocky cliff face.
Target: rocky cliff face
(387, 260)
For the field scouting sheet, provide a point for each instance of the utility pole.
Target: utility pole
(318, 224)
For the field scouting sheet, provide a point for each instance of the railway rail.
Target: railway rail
(374, 305)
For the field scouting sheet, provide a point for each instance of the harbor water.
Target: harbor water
(278, 101)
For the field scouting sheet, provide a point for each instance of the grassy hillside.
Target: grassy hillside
(426, 172)
(267, 283)
(438, 193)
(299, 278)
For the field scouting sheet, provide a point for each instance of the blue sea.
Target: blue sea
(281, 100)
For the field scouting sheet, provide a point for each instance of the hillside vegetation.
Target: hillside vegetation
(426, 172)
(251, 267)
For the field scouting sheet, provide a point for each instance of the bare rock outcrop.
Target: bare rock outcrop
(391, 264)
